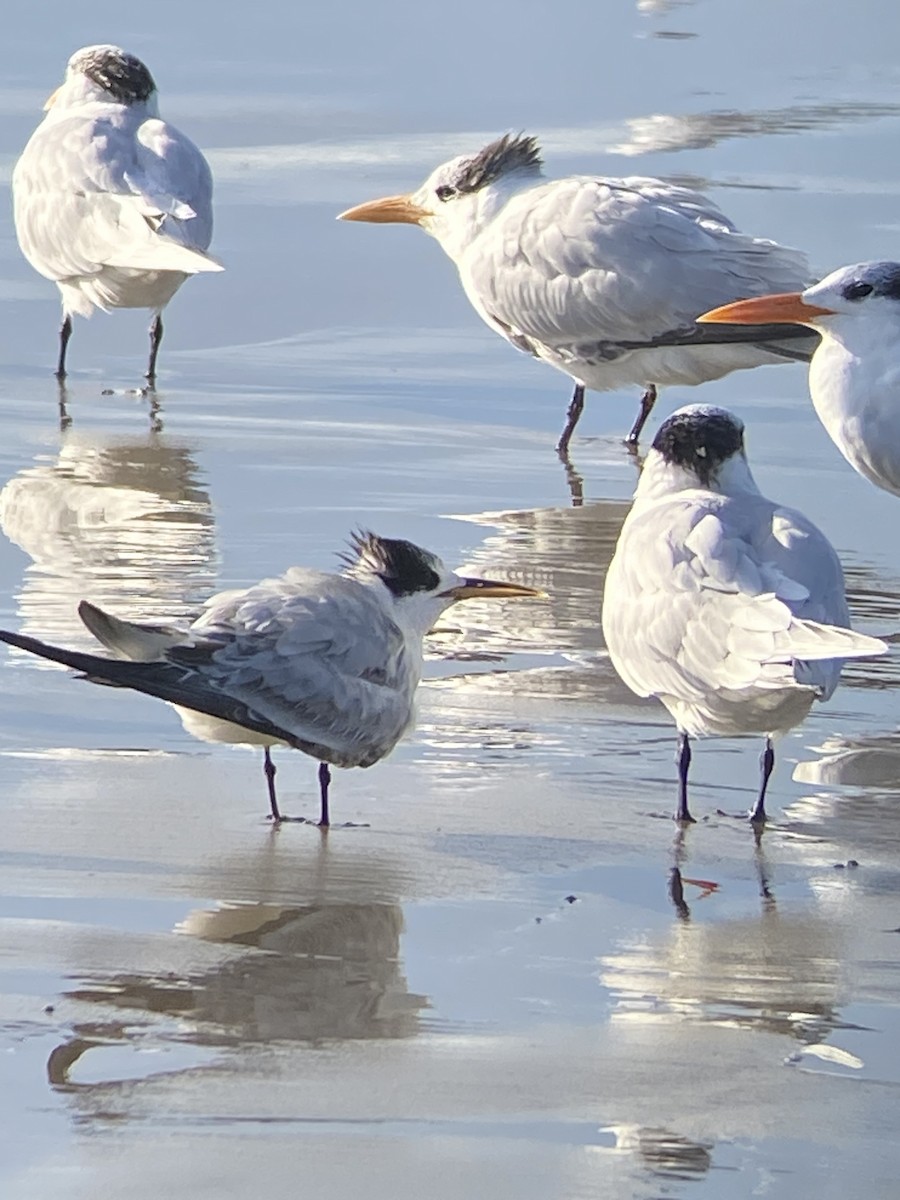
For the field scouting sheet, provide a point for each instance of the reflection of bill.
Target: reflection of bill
(299, 974)
(125, 523)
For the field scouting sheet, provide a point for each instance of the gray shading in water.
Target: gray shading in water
(125, 523)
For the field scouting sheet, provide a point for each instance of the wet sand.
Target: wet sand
(487, 985)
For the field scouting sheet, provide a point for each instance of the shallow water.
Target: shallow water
(490, 987)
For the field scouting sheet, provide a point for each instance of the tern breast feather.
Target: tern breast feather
(595, 260)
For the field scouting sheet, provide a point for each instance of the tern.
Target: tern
(327, 663)
(600, 277)
(720, 603)
(111, 202)
(854, 376)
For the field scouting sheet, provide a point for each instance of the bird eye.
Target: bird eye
(857, 290)
(445, 191)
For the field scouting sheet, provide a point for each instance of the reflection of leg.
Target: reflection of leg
(62, 395)
(324, 780)
(766, 763)
(684, 765)
(676, 894)
(65, 332)
(647, 401)
(269, 768)
(156, 334)
(576, 405)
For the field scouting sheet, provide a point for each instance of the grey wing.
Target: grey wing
(619, 261)
(695, 603)
(79, 203)
(314, 654)
(172, 176)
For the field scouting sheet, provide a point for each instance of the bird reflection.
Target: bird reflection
(566, 551)
(776, 973)
(311, 973)
(664, 1154)
(125, 522)
(698, 131)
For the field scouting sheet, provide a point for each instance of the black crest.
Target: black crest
(512, 152)
(700, 439)
(403, 567)
(123, 76)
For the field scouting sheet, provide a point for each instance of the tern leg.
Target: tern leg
(156, 335)
(647, 401)
(766, 763)
(324, 781)
(269, 769)
(683, 758)
(576, 406)
(65, 332)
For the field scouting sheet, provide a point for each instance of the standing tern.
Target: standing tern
(602, 278)
(111, 202)
(720, 603)
(328, 664)
(854, 376)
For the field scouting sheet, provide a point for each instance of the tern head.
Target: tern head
(419, 587)
(105, 74)
(460, 195)
(865, 297)
(699, 446)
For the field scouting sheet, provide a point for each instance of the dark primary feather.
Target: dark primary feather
(511, 152)
(176, 684)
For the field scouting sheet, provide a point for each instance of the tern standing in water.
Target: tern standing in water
(328, 664)
(111, 202)
(602, 278)
(720, 603)
(854, 376)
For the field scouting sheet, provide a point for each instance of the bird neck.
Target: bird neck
(660, 479)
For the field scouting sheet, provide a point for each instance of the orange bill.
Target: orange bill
(786, 308)
(389, 210)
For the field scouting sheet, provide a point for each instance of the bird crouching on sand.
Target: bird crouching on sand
(600, 277)
(327, 663)
(720, 603)
(111, 202)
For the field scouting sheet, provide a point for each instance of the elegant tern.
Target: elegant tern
(854, 376)
(720, 603)
(600, 277)
(111, 202)
(326, 663)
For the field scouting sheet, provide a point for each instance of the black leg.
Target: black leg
(683, 758)
(647, 401)
(766, 763)
(324, 780)
(269, 769)
(156, 334)
(576, 405)
(65, 332)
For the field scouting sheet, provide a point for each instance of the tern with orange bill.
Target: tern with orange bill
(854, 375)
(326, 663)
(600, 277)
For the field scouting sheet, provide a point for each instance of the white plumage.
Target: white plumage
(328, 664)
(111, 202)
(602, 278)
(854, 376)
(725, 606)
